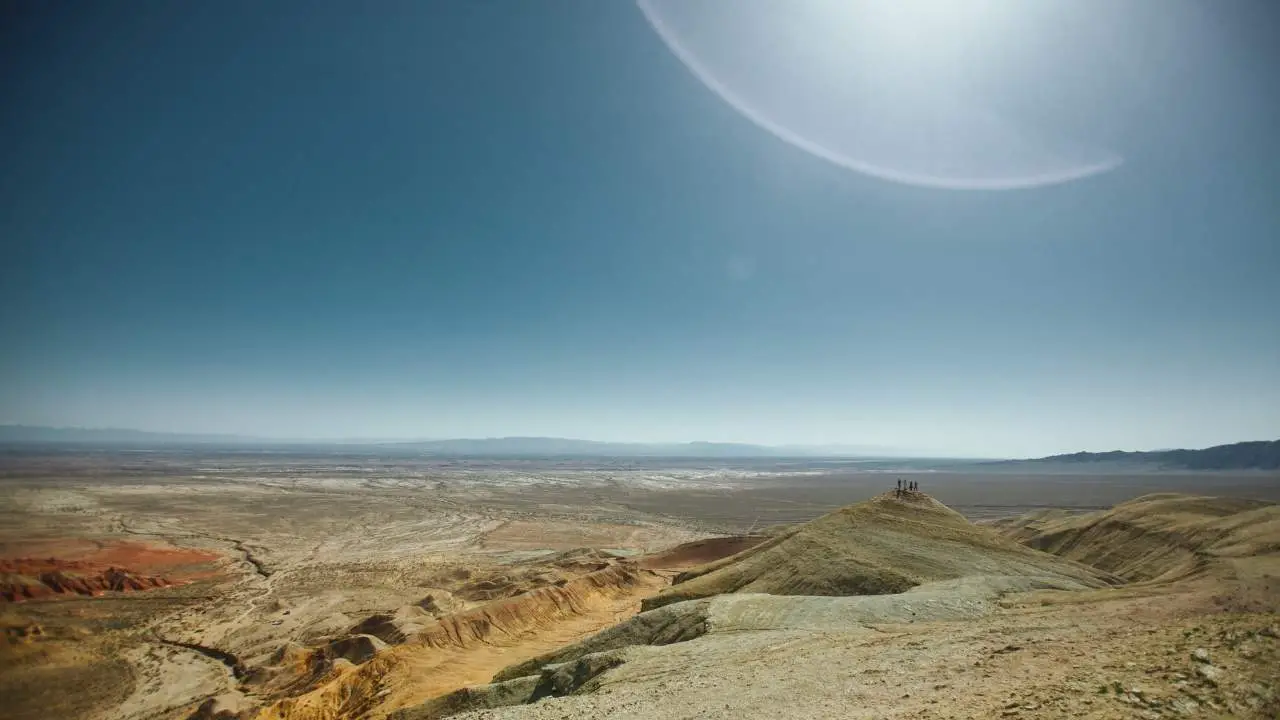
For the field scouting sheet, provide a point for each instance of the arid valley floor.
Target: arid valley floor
(307, 584)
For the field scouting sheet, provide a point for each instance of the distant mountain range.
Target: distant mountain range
(41, 434)
(565, 446)
(1263, 455)
(1258, 455)
(479, 447)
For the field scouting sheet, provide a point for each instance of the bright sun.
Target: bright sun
(925, 92)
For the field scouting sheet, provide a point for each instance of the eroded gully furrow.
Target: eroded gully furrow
(258, 567)
(237, 668)
(234, 666)
(247, 555)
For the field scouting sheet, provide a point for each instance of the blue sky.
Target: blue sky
(480, 219)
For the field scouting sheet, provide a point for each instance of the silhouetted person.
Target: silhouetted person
(898, 492)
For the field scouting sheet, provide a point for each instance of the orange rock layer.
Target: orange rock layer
(30, 579)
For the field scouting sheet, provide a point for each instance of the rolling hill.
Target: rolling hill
(888, 544)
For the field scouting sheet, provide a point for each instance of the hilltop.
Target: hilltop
(888, 544)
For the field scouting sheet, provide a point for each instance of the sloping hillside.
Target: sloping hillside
(1161, 537)
(888, 544)
(895, 607)
(464, 647)
(1041, 638)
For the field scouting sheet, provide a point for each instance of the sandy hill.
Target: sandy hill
(888, 544)
(387, 663)
(524, 609)
(966, 622)
(699, 552)
(1168, 539)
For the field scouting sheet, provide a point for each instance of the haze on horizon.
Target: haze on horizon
(504, 219)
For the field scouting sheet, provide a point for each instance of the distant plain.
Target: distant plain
(728, 494)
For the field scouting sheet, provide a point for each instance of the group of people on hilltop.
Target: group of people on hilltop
(911, 486)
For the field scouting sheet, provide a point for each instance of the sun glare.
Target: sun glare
(915, 91)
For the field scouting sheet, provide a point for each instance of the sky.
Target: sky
(478, 219)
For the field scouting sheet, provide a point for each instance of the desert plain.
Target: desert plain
(307, 582)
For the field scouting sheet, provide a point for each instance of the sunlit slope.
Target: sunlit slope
(468, 647)
(1159, 538)
(885, 545)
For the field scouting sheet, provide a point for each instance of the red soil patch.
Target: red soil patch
(85, 567)
(699, 552)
